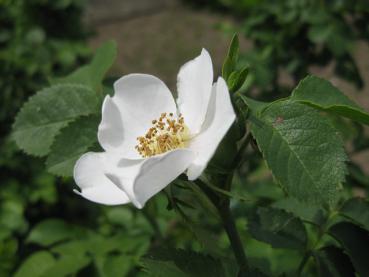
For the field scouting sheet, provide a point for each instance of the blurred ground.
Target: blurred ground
(160, 38)
(157, 37)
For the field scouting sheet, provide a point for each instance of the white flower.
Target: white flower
(149, 140)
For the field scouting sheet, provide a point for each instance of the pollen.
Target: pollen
(167, 133)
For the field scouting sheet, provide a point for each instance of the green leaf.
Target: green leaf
(117, 265)
(51, 231)
(182, 262)
(36, 265)
(278, 228)
(226, 193)
(201, 198)
(237, 79)
(231, 59)
(45, 113)
(255, 106)
(8, 255)
(332, 261)
(302, 149)
(355, 241)
(321, 94)
(73, 141)
(310, 213)
(161, 268)
(97, 245)
(66, 266)
(75, 248)
(93, 74)
(357, 210)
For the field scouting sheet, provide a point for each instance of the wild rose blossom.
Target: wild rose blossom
(149, 140)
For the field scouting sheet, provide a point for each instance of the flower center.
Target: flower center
(166, 133)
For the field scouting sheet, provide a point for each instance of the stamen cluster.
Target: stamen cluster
(167, 133)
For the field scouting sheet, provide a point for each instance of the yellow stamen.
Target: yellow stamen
(166, 134)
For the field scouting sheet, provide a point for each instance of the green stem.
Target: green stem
(310, 250)
(239, 157)
(234, 238)
(303, 262)
(222, 204)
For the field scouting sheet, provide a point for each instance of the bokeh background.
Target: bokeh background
(47, 230)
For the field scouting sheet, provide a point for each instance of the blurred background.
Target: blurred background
(43, 223)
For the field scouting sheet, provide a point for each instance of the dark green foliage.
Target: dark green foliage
(51, 231)
(278, 228)
(296, 34)
(36, 265)
(293, 198)
(82, 136)
(357, 210)
(310, 213)
(34, 46)
(355, 241)
(177, 262)
(332, 261)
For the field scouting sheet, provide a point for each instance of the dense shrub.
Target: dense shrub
(38, 39)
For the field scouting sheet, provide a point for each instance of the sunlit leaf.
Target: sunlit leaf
(45, 113)
(302, 149)
(231, 59)
(237, 79)
(321, 94)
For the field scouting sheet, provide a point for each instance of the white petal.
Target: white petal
(138, 99)
(158, 171)
(194, 83)
(110, 133)
(219, 119)
(89, 175)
